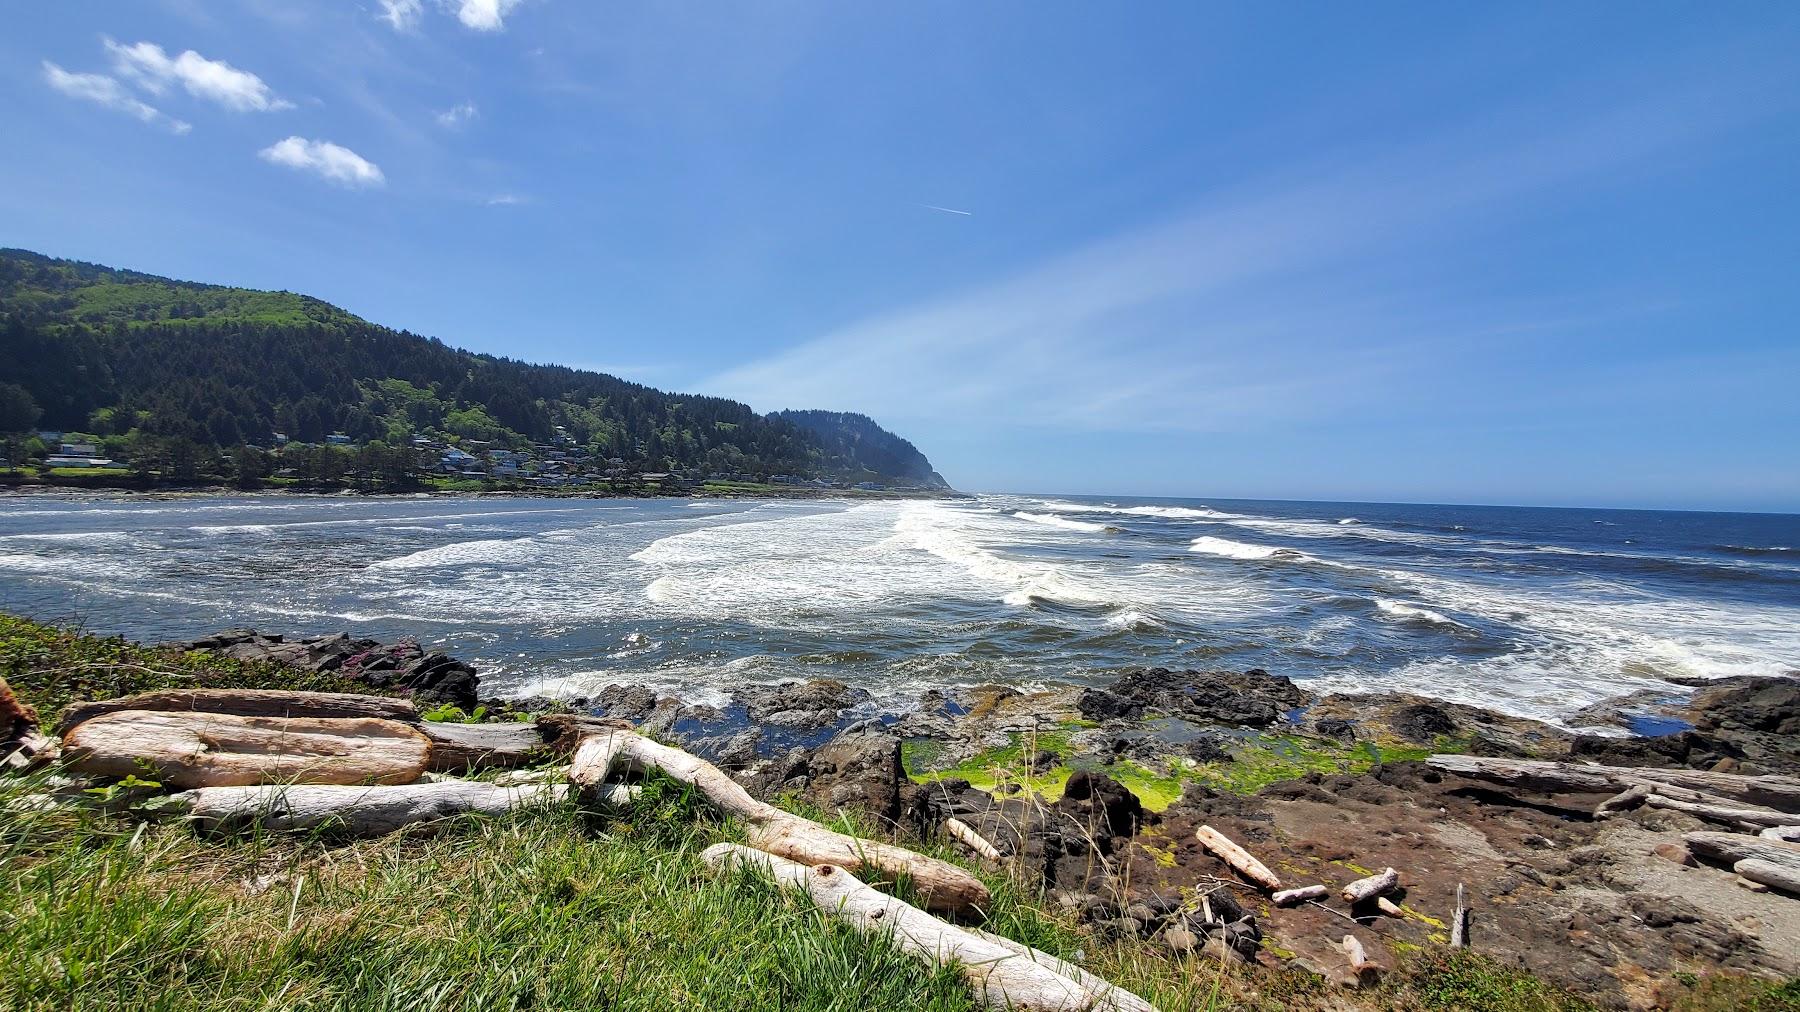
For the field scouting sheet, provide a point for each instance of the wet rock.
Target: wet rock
(1090, 793)
(814, 704)
(1333, 727)
(1099, 704)
(626, 702)
(1687, 748)
(1765, 705)
(739, 751)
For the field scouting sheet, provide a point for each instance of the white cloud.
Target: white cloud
(214, 80)
(402, 14)
(484, 15)
(106, 91)
(331, 161)
(479, 15)
(457, 115)
(505, 200)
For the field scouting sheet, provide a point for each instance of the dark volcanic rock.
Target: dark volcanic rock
(439, 678)
(858, 770)
(1421, 722)
(626, 702)
(1689, 748)
(1765, 705)
(1252, 698)
(1099, 704)
(800, 704)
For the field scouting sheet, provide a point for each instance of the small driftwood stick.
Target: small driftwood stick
(1758, 817)
(1003, 975)
(247, 703)
(1364, 970)
(1624, 801)
(225, 750)
(944, 886)
(362, 811)
(1459, 921)
(1294, 897)
(1364, 889)
(968, 837)
(1237, 857)
(1763, 872)
(1388, 907)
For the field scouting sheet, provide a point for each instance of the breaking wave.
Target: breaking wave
(1051, 520)
(1226, 548)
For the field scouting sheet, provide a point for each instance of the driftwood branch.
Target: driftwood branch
(1731, 848)
(222, 750)
(1624, 801)
(966, 835)
(1240, 860)
(361, 811)
(944, 886)
(1776, 876)
(1005, 975)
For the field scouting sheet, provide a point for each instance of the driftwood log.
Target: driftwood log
(1364, 889)
(458, 748)
(1361, 968)
(1240, 860)
(1777, 792)
(226, 750)
(944, 886)
(1005, 975)
(361, 811)
(1790, 833)
(1776, 876)
(246, 703)
(1731, 848)
(1295, 897)
(1760, 817)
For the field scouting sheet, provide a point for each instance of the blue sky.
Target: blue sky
(1462, 253)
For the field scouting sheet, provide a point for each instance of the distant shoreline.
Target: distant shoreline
(773, 492)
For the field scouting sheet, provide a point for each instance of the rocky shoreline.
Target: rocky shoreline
(1096, 794)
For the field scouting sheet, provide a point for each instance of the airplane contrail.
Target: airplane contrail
(947, 210)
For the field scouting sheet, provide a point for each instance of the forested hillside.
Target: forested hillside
(857, 437)
(116, 353)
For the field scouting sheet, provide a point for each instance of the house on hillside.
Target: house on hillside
(456, 460)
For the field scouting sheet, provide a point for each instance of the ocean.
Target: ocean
(1536, 612)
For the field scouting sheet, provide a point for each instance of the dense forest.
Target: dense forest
(177, 368)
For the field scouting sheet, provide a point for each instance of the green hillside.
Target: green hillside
(178, 370)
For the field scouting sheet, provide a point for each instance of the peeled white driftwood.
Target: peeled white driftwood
(1776, 792)
(1388, 907)
(1364, 889)
(1003, 975)
(1459, 921)
(966, 835)
(1759, 817)
(1360, 966)
(1237, 857)
(1114, 998)
(943, 885)
(1777, 876)
(1789, 833)
(360, 811)
(247, 703)
(1294, 897)
(223, 750)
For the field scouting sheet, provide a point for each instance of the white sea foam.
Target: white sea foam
(1226, 548)
(464, 553)
(1414, 612)
(935, 529)
(1166, 512)
(1349, 520)
(1051, 520)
